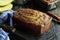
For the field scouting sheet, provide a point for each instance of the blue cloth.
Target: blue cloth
(9, 13)
(5, 15)
(3, 35)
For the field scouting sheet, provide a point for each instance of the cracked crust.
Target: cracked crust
(33, 17)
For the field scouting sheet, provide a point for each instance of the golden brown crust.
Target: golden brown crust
(35, 20)
(32, 16)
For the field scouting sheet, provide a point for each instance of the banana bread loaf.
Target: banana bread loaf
(36, 21)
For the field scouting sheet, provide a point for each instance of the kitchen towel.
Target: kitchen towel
(3, 35)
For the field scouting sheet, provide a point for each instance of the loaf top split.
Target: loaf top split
(32, 16)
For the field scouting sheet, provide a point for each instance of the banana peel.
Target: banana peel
(5, 2)
(8, 7)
